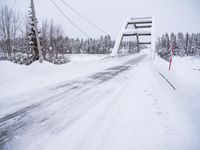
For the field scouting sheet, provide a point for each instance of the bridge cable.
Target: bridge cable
(83, 17)
(67, 18)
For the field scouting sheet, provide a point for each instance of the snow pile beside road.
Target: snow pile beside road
(187, 62)
(17, 79)
(121, 105)
(85, 57)
(184, 76)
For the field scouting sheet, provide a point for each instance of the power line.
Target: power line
(69, 19)
(87, 20)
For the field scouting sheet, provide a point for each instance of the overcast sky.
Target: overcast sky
(170, 15)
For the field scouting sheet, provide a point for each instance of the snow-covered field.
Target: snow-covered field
(17, 79)
(106, 104)
(184, 75)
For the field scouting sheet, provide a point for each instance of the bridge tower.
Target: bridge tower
(143, 26)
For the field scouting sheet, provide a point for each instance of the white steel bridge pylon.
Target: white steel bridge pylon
(143, 26)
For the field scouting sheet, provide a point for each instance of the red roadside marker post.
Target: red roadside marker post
(170, 61)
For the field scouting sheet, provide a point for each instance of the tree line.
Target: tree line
(17, 40)
(183, 45)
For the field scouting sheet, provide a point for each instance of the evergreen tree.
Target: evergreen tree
(198, 44)
(165, 46)
(173, 43)
(181, 44)
(190, 45)
(32, 34)
(167, 42)
(158, 46)
(195, 45)
(187, 44)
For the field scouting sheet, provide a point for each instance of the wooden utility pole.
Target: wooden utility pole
(36, 32)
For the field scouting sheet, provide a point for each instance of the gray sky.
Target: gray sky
(170, 15)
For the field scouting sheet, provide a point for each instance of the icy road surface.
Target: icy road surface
(124, 107)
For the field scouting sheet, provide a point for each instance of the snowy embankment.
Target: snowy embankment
(16, 79)
(85, 57)
(20, 78)
(184, 76)
(115, 103)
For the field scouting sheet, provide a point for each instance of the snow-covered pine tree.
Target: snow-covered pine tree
(158, 46)
(33, 43)
(109, 44)
(34, 40)
(187, 43)
(165, 46)
(198, 44)
(173, 42)
(97, 46)
(181, 44)
(167, 41)
(168, 47)
(195, 45)
(82, 47)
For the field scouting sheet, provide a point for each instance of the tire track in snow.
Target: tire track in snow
(36, 119)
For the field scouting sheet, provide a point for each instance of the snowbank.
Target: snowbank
(16, 79)
(85, 57)
(89, 115)
(184, 76)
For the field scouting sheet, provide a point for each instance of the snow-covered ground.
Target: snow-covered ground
(110, 104)
(17, 79)
(184, 75)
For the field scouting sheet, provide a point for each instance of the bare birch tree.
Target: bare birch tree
(9, 28)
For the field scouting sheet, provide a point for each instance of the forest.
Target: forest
(178, 45)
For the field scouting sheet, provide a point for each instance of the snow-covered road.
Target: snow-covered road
(124, 107)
